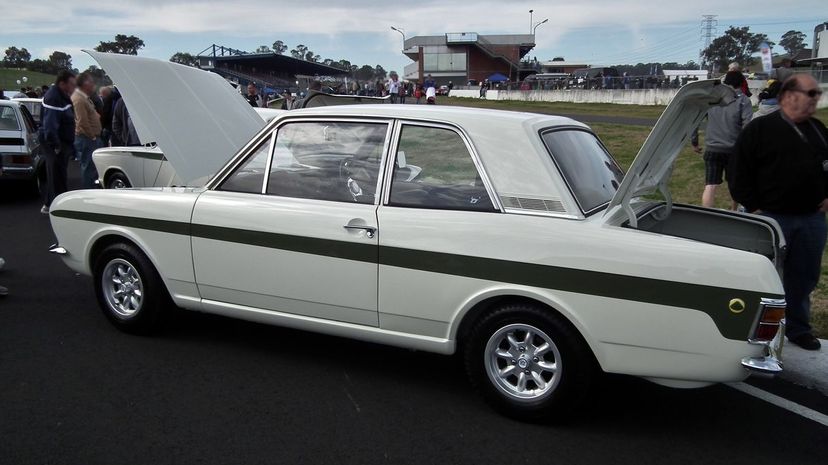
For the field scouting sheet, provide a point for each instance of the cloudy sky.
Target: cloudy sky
(588, 31)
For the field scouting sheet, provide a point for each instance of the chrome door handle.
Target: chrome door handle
(370, 231)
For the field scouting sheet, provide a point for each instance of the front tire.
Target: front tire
(130, 292)
(529, 363)
(117, 180)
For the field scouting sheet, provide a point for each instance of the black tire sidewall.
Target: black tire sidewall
(155, 298)
(117, 175)
(577, 362)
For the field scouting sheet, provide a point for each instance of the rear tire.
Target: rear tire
(117, 180)
(129, 290)
(529, 363)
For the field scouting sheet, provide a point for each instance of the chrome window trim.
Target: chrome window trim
(238, 158)
(244, 160)
(472, 151)
(271, 130)
(566, 216)
(543, 131)
(269, 160)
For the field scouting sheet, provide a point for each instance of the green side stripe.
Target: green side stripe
(709, 299)
(309, 245)
(172, 227)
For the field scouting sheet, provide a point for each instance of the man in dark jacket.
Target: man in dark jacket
(122, 128)
(781, 170)
(58, 134)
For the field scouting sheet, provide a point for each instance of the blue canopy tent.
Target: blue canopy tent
(498, 77)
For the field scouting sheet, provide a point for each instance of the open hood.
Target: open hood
(653, 166)
(195, 116)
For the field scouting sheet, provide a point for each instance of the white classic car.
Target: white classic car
(21, 154)
(520, 242)
(144, 166)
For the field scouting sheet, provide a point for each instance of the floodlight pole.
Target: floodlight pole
(535, 29)
(402, 33)
(531, 19)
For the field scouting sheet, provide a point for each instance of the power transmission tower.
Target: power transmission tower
(709, 29)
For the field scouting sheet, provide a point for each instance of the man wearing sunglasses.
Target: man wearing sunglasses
(780, 169)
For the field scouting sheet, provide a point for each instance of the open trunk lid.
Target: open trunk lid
(653, 166)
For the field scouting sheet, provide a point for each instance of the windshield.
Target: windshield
(589, 170)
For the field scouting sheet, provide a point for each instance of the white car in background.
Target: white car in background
(144, 166)
(519, 243)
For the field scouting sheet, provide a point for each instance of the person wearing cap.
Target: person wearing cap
(780, 170)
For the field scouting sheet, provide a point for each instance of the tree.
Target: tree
(737, 44)
(125, 45)
(279, 47)
(310, 56)
(184, 58)
(299, 52)
(262, 49)
(343, 64)
(365, 73)
(60, 60)
(99, 76)
(16, 57)
(379, 72)
(558, 59)
(793, 42)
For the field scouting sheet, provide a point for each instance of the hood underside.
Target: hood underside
(195, 116)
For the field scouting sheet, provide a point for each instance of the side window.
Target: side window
(249, 177)
(333, 161)
(434, 169)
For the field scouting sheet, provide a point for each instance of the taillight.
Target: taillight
(771, 312)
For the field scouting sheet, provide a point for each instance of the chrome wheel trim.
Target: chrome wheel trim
(122, 288)
(523, 362)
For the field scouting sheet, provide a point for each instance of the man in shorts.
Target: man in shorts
(724, 124)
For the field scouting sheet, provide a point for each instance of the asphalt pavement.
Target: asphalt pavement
(73, 390)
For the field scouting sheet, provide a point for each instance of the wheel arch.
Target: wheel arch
(113, 170)
(103, 239)
(483, 303)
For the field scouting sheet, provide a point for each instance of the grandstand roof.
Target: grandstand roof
(272, 61)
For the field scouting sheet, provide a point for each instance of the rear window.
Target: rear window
(589, 170)
(8, 119)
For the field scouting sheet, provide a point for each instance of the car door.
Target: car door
(293, 228)
(437, 212)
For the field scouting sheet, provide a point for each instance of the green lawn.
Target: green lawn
(555, 108)
(9, 77)
(552, 108)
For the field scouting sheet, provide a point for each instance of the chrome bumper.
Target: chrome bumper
(58, 250)
(771, 362)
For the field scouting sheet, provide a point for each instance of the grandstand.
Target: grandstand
(269, 71)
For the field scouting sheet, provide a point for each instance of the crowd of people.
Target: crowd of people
(775, 162)
(394, 88)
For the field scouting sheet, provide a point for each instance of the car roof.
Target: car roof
(459, 115)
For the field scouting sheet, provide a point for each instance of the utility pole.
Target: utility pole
(709, 29)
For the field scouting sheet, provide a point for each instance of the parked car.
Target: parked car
(20, 151)
(34, 105)
(144, 166)
(520, 243)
